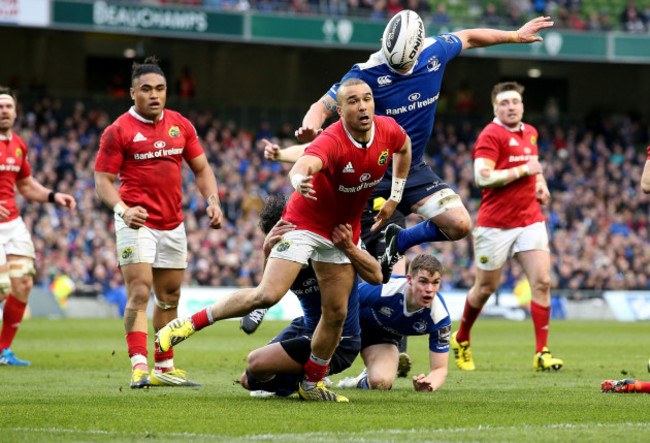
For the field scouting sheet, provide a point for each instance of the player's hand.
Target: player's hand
(65, 200)
(305, 187)
(305, 134)
(534, 167)
(542, 193)
(215, 214)
(275, 235)
(342, 237)
(135, 217)
(384, 214)
(271, 150)
(527, 33)
(422, 384)
(4, 212)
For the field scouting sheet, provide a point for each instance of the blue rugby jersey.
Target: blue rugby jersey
(410, 98)
(306, 288)
(383, 310)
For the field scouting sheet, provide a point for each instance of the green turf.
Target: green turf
(77, 389)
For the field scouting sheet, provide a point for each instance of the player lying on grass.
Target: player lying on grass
(626, 386)
(405, 306)
(278, 366)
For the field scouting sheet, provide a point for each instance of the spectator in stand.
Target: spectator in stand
(441, 18)
(632, 21)
(393, 7)
(491, 17)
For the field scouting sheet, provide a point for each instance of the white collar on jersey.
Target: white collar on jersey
(141, 118)
(4, 137)
(358, 144)
(520, 128)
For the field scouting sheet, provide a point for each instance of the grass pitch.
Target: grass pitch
(77, 389)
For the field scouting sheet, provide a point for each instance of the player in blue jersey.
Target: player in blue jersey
(278, 366)
(405, 306)
(409, 93)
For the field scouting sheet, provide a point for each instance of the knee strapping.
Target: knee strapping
(164, 306)
(440, 202)
(21, 268)
(5, 283)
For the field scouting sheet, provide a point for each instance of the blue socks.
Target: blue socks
(424, 232)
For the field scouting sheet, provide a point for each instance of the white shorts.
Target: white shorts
(163, 249)
(15, 238)
(302, 245)
(493, 246)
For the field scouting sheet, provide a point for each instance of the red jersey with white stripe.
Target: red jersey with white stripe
(148, 158)
(350, 173)
(14, 166)
(514, 205)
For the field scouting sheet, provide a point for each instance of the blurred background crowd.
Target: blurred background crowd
(598, 218)
(579, 15)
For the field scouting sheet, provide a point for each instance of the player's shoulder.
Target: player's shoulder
(396, 286)
(438, 309)
(376, 60)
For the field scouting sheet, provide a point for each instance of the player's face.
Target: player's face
(149, 92)
(510, 111)
(356, 106)
(424, 287)
(7, 114)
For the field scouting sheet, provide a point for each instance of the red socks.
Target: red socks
(201, 319)
(315, 372)
(12, 315)
(541, 316)
(470, 314)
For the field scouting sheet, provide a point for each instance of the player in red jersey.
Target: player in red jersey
(147, 146)
(333, 180)
(510, 221)
(645, 187)
(16, 247)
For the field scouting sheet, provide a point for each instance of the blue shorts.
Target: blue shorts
(295, 339)
(421, 183)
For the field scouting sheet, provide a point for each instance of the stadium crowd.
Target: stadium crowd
(598, 218)
(577, 15)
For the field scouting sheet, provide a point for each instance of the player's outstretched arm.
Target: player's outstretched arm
(366, 265)
(302, 174)
(437, 376)
(486, 176)
(286, 155)
(401, 167)
(34, 191)
(207, 184)
(482, 37)
(313, 120)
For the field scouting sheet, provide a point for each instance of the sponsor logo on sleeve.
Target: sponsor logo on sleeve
(533, 140)
(19, 153)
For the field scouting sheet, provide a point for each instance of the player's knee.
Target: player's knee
(21, 287)
(460, 224)
(380, 382)
(335, 315)
(254, 362)
(541, 285)
(138, 295)
(243, 380)
(484, 291)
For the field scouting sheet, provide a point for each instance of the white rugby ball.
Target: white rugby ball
(403, 39)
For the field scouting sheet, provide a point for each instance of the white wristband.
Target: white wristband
(525, 170)
(516, 168)
(119, 210)
(397, 188)
(296, 181)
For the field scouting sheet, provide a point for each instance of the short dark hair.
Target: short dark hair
(506, 86)
(7, 90)
(350, 82)
(272, 212)
(425, 262)
(150, 65)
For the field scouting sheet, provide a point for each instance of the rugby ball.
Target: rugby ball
(403, 39)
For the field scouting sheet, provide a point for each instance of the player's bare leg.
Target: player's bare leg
(278, 277)
(138, 278)
(335, 281)
(485, 283)
(537, 267)
(19, 270)
(381, 361)
(167, 291)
